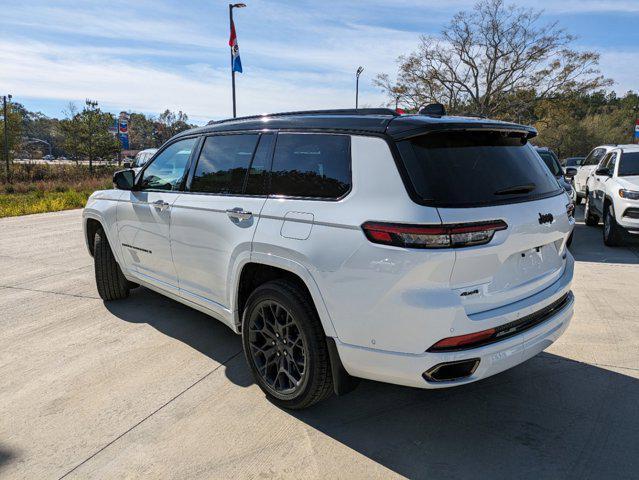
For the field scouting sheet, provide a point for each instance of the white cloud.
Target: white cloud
(40, 71)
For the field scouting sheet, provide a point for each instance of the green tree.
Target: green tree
(495, 60)
(170, 123)
(573, 125)
(87, 133)
(142, 132)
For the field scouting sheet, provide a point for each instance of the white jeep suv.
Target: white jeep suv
(421, 250)
(613, 194)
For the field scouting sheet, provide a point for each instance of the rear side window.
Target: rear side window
(223, 164)
(465, 169)
(311, 165)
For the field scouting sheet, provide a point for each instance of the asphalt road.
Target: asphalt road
(146, 387)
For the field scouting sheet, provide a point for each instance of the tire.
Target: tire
(612, 234)
(590, 218)
(111, 283)
(281, 331)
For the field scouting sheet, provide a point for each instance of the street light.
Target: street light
(232, 26)
(357, 74)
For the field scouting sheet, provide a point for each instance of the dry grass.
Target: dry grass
(40, 188)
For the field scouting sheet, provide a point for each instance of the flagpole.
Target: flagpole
(232, 69)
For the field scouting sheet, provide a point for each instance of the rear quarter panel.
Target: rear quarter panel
(373, 295)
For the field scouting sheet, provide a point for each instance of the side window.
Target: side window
(256, 180)
(169, 168)
(223, 163)
(311, 165)
(595, 157)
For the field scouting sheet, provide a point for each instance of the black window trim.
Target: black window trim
(315, 132)
(166, 145)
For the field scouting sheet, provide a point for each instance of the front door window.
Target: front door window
(169, 168)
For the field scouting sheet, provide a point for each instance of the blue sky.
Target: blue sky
(148, 55)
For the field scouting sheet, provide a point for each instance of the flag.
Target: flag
(235, 50)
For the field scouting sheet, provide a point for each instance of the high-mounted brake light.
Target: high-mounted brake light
(432, 236)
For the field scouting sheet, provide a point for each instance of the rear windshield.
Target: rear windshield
(629, 165)
(458, 169)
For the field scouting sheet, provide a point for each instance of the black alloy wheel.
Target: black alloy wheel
(278, 348)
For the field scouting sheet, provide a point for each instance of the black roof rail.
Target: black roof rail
(343, 111)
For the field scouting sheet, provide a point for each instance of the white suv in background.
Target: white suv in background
(613, 194)
(587, 167)
(422, 250)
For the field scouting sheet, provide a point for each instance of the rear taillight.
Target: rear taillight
(432, 236)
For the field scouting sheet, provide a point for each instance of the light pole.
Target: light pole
(357, 74)
(233, 45)
(6, 134)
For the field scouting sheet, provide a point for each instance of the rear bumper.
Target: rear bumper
(407, 369)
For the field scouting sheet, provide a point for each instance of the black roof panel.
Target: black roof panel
(375, 121)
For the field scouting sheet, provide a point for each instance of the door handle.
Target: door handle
(160, 205)
(239, 213)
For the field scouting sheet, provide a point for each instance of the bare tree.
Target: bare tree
(493, 60)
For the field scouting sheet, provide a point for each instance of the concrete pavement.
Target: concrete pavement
(146, 387)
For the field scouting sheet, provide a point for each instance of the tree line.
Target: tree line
(87, 133)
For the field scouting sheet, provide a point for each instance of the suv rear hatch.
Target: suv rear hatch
(479, 175)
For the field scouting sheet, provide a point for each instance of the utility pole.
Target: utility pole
(6, 134)
(357, 74)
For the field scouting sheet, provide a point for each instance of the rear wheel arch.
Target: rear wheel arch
(254, 274)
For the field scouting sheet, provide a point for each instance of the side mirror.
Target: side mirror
(124, 179)
(570, 172)
(126, 164)
(603, 171)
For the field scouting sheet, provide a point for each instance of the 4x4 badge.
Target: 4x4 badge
(545, 218)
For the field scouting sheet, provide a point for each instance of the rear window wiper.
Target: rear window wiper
(516, 189)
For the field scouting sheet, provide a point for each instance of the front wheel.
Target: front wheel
(111, 283)
(590, 218)
(285, 346)
(612, 235)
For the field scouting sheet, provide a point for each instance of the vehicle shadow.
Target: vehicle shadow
(6, 455)
(588, 246)
(551, 417)
(201, 332)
